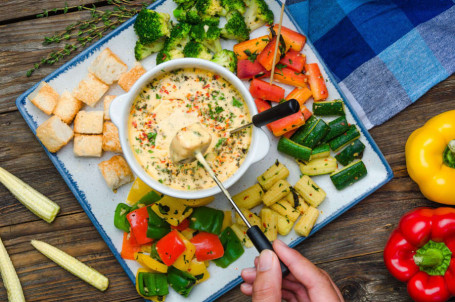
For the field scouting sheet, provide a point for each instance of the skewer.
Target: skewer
(277, 41)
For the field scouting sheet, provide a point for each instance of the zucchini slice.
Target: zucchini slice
(348, 137)
(318, 166)
(337, 127)
(293, 149)
(335, 107)
(321, 151)
(303, 131)
(351, 152)
(316, 134)
(349, 175)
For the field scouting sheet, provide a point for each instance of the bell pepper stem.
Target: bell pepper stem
(449, 154)
(431, 258)
(451, 146)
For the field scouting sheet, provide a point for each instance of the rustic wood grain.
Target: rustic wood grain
(349, 249)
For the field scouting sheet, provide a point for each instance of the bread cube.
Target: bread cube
(44, 97)
(108, 67)
(54, 133)
(89, 122)
(111, 141)
(116, 172)
(127, 79)
(90, 90)
(107, 103)
(88, 145)
(67, 107)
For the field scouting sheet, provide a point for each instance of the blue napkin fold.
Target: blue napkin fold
(384, 54)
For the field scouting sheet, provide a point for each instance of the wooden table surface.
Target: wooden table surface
(349, 249)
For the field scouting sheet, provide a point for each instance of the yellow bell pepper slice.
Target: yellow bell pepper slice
(198, 270)
(227, 220)
(172, 210)
(430, 158)
(188, 233)
(198, 202)
(153, 298)
(137, 191)
(184, 260)
(149, 262)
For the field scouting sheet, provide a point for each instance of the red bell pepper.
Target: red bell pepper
(208, 246)
(182, 226)
(263, 90)
(248, 70)
(170, 247)
(316, 81)
(139, 220)
(420, 252)
(294, 60)
(129, 246)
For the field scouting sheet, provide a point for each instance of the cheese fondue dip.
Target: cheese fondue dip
(177, 100)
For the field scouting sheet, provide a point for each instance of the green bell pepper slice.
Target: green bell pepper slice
(120, 220)
(157, 227)
(182, 282)
(206, 219)
(146, 200)
(154, 253)
(152, 284)
(233, 248)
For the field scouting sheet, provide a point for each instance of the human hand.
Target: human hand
(305, 283)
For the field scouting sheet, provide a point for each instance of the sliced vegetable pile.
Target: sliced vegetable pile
(173, 239)
(304, 136)
(197, 35)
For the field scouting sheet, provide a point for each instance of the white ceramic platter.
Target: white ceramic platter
(99, 202)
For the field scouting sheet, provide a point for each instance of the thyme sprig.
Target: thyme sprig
(82, 33)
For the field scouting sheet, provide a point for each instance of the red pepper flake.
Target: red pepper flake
(245, 197)
(206, 86)
(264, 225)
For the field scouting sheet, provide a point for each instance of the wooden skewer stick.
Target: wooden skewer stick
(277, 41)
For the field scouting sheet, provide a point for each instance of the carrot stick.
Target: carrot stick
(254, 46)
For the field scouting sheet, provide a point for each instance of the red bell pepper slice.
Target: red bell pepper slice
(263, 90)
(293, 39)
(208, 246)
(294, 60)
(248, 70)
(316, 81)
(290, 77)
(129, 246)
(420, 252)
(170, 247)
(138, 220)
(265, 58)
(182, 226)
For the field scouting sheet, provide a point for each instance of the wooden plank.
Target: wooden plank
(29, 8)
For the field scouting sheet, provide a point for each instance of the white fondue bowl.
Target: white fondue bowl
(120, 110)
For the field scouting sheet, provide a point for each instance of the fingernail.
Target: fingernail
(246, 287)
(265, 260)
(248, 270)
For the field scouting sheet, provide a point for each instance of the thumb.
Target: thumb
(267, 285)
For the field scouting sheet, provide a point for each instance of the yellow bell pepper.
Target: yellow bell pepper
(199, 270)
(150, 263)
(430, 158)
(137, 191)
(184, 260)
(172, 210)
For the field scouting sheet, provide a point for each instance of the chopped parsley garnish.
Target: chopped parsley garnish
(220, 142)
(236, 103)
(251, 56)
(151, 136)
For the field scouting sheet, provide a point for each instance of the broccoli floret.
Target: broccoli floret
(151, 26)
(197, 50)
(189, 15)
(258, 14)
(209, 7)
(210, 20)
(174, 45)
(167, 55)
(227, 59)
(229, 5)
(235, 27)
(141, 51)
(187, 3)
(207, 35)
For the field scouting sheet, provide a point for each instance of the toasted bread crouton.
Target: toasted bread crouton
(116, 172)
(127, 79)
(89, 122)
(111, 141)
(67, 107)
(90, 90)
(44, 97)
(54, 133)
(107, 103)
(88, 145)
(107, 67)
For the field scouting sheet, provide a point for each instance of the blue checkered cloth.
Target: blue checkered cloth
(384, 54)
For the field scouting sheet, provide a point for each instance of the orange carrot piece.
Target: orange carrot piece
(250, 47)
(288, 76)
(289, 133)
(262, 105)
(263, 90)
(301, 94)
(292, 38)
(266, 56)
(287, 124)
(316, 81)
(306, 112)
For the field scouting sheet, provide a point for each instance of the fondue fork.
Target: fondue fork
(270, 115)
